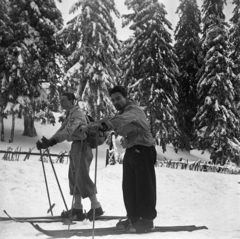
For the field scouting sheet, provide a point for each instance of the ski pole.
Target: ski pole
(75, 186)
(44, 172)
(95, 182)
(56, 178)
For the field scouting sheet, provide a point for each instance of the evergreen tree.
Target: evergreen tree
(149, 65)
(30, 56)
(92, 48)
(187, 46)
(216, 121)
(235, 46)
(6, 36)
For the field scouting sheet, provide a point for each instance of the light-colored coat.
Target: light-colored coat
(80, 154)
(69, 129)
(132, 124)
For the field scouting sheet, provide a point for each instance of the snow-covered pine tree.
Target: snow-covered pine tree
(6, 36)
(32, 56)
(187, 47)
(149, 65)
(234, 38)
(216, 122)
(93, 48)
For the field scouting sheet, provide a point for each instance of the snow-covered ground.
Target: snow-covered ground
(184, 197)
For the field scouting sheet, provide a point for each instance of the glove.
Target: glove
(48, 142)
(106, 126)
(40, 145)
(94, 127)
(100, 126)
(83, 129)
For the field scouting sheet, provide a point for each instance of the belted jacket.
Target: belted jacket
(69, 129)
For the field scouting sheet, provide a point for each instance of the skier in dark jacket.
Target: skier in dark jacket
(139, 180)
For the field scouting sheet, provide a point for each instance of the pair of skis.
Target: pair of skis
(110, 231)
(88, 232)
(50, 219)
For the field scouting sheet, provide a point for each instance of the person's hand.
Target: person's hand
(83, 128)
(48, 142)
(123, 142)
(106, 126)
(40, 145)
(95, 127)
(101, 126)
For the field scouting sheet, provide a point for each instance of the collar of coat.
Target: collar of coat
(69, 112)
(129, 104)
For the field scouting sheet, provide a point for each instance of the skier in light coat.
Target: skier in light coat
(80, 158)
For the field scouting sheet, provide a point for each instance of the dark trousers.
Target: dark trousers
(139, 182)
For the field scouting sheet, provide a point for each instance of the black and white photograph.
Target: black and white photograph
(120, 119)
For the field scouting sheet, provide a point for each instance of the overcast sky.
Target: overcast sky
(123, 33)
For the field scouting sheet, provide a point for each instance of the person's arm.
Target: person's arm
(132, 121)
(70, 131)
(45, 143)
(129, 122)
(121, 120)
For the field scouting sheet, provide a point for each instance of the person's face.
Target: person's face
(118, 101)
(65, 103)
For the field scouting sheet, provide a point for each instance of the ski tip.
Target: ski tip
(6, 213)
(200, 228)
(35, 225)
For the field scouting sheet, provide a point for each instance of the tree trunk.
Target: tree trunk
(20, 113)
(187, 143)
(1, 125)
(29, 129)
(152, 122)
(13, 127)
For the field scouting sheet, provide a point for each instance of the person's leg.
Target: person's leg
(77, 198)
(85, 185)
(129, 191)
(71, 174)
(73, 171)
(94, 201)
(77, 202)
(145, 158)
(95, 205)
(77, 208)
(129, 185)
(146, 183)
